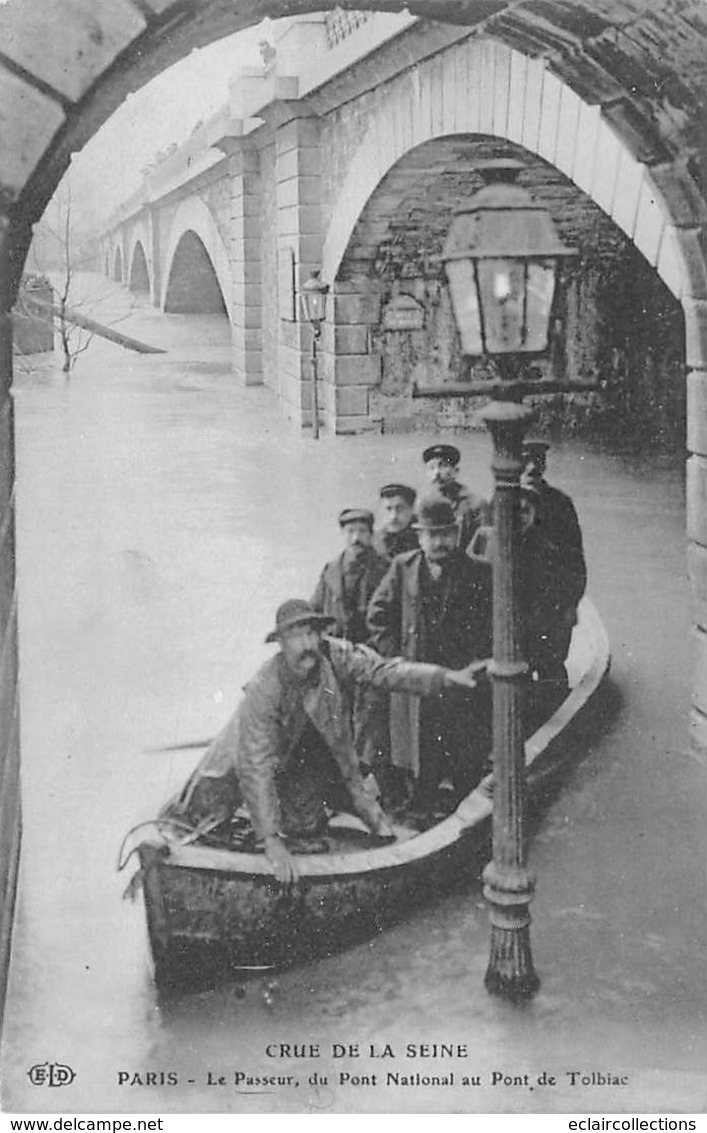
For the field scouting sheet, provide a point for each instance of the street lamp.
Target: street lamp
(312, 297)
(501, 257)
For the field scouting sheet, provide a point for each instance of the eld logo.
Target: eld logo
(51, 1074)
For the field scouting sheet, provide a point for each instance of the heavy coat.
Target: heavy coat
(556, 520)
(392, 543)
(398, 624)
(471, 511)
(330, 595)
(245, 761)
(552, 580)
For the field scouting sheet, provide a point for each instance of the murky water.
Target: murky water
(162, 515)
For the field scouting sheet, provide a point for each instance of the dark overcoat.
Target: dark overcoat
(398, 623)
(330, 595)
(556, 520)
(392, 543)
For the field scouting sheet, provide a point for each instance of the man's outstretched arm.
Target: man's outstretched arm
(363, 665)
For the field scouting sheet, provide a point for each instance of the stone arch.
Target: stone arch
(194, 216)
(118, 266)
(487, 88)
(193, 286)
(106, 264)
(139, 278)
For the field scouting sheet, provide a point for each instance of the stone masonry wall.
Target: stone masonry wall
(10, 809)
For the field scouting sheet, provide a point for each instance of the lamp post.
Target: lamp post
(501, 257)
(313, 293)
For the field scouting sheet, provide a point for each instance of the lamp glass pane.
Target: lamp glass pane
(502, 287)
(541, 291)
(312, 304)
(465, 301)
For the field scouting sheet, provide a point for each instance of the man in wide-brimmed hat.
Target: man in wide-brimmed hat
(434, 605)
(288, 751)
(470, 510)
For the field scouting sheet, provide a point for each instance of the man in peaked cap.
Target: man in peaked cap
(396, 534)
(558, 571)
(441, 464)
(288, 751)
(434, 605)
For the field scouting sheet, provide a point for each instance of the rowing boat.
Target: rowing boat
(213, 912)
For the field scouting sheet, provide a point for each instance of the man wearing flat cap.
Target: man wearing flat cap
(288, 751)
(470, 511)
(347, 582)
(396, 533)
(434, 605)
(343, 592)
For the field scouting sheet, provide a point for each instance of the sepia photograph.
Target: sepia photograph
(353, 558)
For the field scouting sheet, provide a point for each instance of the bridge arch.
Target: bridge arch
(195, 242)
(139, 277)
(118, 266)
(529, 106)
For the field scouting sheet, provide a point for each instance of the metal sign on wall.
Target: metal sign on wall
(403, 313)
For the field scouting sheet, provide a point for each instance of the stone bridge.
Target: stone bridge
(359, 174)
(357, 171)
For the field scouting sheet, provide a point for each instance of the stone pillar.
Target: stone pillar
(153, 225)
(350, 371)
(696, 350)
(298, 165)
(13, 249)
(246, 264)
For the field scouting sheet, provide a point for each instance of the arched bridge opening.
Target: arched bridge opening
(118, 266)
(193, 286)
(139, 274)
(615, 321)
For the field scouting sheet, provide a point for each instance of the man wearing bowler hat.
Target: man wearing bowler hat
(396, 533)
(470, 511)
(347, 582)
(288, 751)
(434, 605)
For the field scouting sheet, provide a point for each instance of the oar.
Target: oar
(190, 745)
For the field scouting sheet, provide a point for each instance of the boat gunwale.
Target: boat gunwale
(470, 814)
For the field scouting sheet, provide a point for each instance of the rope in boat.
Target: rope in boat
(155, 823)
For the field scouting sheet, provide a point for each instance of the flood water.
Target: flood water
(163, 513)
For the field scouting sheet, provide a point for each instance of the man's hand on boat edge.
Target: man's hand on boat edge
(284, 864)
(468, 677)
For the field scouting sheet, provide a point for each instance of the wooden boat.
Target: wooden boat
(213, 912)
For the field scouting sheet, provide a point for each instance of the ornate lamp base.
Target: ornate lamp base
(511, 972)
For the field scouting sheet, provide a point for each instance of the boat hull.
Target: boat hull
(214, 913)
(205, 923)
